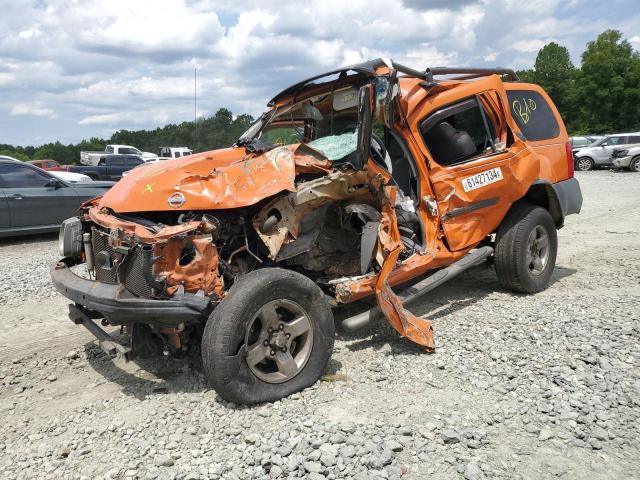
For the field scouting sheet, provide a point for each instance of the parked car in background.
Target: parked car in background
(167, 153)
(71, 177)
(109, 167)
(35, 201)
(627, 158)
(49, 165)
(92, 158)
(600, 152)
(581, 141)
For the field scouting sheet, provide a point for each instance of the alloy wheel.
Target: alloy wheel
(538, 250)
(584, 164)
(279, 340)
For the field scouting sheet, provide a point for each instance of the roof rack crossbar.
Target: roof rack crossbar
(473, 72)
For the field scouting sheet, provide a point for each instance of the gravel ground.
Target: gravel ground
(540, 386)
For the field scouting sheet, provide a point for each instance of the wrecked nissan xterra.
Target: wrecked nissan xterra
(364, 179)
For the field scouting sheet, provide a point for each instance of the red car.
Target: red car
(50, 165)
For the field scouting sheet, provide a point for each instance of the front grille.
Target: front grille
(134, 278)
(100, 243)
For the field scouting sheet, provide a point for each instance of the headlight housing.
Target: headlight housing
(70, 238)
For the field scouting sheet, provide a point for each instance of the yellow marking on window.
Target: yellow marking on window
(524, 112)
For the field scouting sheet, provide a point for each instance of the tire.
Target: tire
(634, 165)
(523, 229)
(234, 332)
(584, 164)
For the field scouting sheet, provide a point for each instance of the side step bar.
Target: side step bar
(413, 293)
(108, 344)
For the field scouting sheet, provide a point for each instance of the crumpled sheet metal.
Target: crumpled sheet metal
(99, 216)
(418, 330)
(336, 186)
(199, 274)
(220, 180)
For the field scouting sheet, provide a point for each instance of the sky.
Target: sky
(74, 69)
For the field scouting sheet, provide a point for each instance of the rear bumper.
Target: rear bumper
(569, 196)
(118, 306)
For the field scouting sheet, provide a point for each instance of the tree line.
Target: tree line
(602, 95)
(217, 131)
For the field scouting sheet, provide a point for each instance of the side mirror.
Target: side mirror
(53, 183)
(366, 98)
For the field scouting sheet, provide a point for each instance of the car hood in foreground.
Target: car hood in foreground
(219, 179)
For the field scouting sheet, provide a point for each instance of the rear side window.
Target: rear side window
(634, 139)
(533, 115)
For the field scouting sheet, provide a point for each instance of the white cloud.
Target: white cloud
(100, 65)
(31, 110)
(528, 45)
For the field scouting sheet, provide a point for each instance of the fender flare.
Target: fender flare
(560, 199)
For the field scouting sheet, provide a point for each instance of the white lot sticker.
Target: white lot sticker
(481, 179)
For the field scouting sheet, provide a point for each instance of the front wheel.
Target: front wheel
(584, 164)
(526, 248)
(634, 166)
(272, 335)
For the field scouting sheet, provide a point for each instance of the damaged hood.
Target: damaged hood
(219, 179)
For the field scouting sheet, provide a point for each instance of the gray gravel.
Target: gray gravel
(522, 387)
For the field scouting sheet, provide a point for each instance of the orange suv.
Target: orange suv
(374, 180)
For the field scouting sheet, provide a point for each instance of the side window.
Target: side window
(613, 141)
(115, 162)
(133, 161)
(459, 133)
(109, 149)
(19, 176)
(177, 154)
(634, 139)
(533, 115)
(125, 151)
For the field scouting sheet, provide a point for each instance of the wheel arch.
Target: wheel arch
(542, 194)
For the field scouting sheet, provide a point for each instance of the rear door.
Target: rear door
(5, 217)
(475, 175)
(31, 202)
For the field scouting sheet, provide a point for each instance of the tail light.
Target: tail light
(569, 152)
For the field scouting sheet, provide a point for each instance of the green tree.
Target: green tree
(608, 85)
(11, 152)
(554, 71)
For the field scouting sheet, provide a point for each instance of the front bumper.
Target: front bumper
(118, 306)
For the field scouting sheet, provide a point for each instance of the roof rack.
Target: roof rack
(468, 73)
(369, 68)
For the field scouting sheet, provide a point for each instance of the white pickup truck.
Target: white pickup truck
(92, 158)
(167, 153)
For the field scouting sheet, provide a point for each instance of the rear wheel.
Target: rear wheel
(584, 164)
(526, 247)
(271, 336)
(634, 166)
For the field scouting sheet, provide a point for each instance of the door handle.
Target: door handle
(16, 196)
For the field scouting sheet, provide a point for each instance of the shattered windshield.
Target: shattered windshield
(327, 122)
